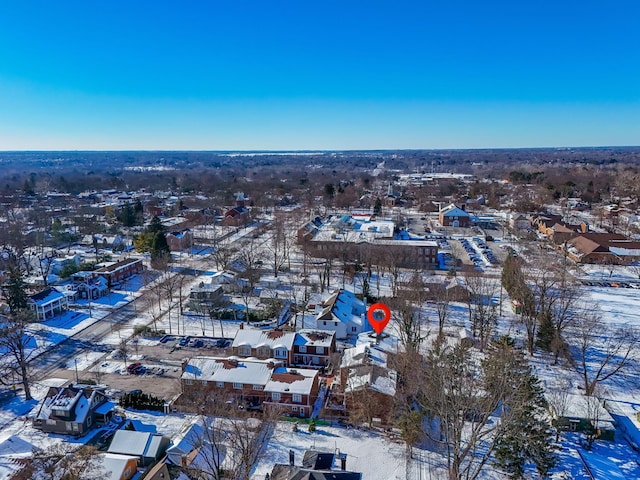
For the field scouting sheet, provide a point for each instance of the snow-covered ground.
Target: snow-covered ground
(371, 453)
(374, 454)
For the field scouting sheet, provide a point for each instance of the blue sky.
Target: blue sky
(243, 75)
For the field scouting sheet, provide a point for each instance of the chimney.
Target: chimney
(343, 461)
(292, 457)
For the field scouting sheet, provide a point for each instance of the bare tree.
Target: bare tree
(279, 242)
(14, 340)
(482, 309)
(442, 301)
(407, 309)
(477, 408)
(62, 461)
(123, 352)
(231, 438)
(250, 257)
(602, 352)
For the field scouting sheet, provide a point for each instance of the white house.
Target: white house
(344, 314)
(48, 303)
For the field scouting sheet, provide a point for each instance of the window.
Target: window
(353, 329)
(294, 408)
(302, 349)
(188, 381)
(335, 324)
(257, 387)
(280, 353)
(297, 398)
(220, 384)
(50, 422)
(203, 382)
(67, 426)
(324, 323)
(244, 351)
(237, 386)
(319, 350)
(275, 396)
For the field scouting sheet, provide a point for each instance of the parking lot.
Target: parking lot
(153, 367)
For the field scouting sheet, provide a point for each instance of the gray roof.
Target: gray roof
(141, 444)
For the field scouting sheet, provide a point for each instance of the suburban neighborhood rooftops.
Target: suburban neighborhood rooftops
(229, 370)
(260, 338)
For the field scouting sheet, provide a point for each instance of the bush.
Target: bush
(147, 331)
(142, 401)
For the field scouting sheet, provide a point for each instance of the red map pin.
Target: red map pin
(379, 316)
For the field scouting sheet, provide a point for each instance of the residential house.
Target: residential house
(180, 240)
(519, 222)
(583, 412)
(48, 303)
(292, 391)
(454, 216)
(146, 447)
(207, 295)
(315, 466)
(89, 285)
(344, 314)
(238, 215)
(366, 382)
(70, 410)
(118, 467)
(252, 382)
(313, 348)
(119, 271)
(264, 344)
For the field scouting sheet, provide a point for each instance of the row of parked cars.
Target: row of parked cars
(610, 284)
(195, 342)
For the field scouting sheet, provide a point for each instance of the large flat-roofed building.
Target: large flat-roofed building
(355, 237)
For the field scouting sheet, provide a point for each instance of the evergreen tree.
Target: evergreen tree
(139, 211)
(546, 332)
(16, 291)
(524, 436)
(377, 208)
(127, 216)
(155, 225)
(159, 245)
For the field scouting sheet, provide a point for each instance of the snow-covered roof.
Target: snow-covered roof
(259, 338)
(586, 407)
(47, 296)
(316, 338)
(386, 343)
(140, 444)
(363, 354)
(344, 306)
(377, 379)
(114, 465)
(186, 441)
(292, 380)
(229, 370)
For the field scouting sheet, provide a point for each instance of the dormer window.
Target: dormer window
(280, 353)
(244, 351)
